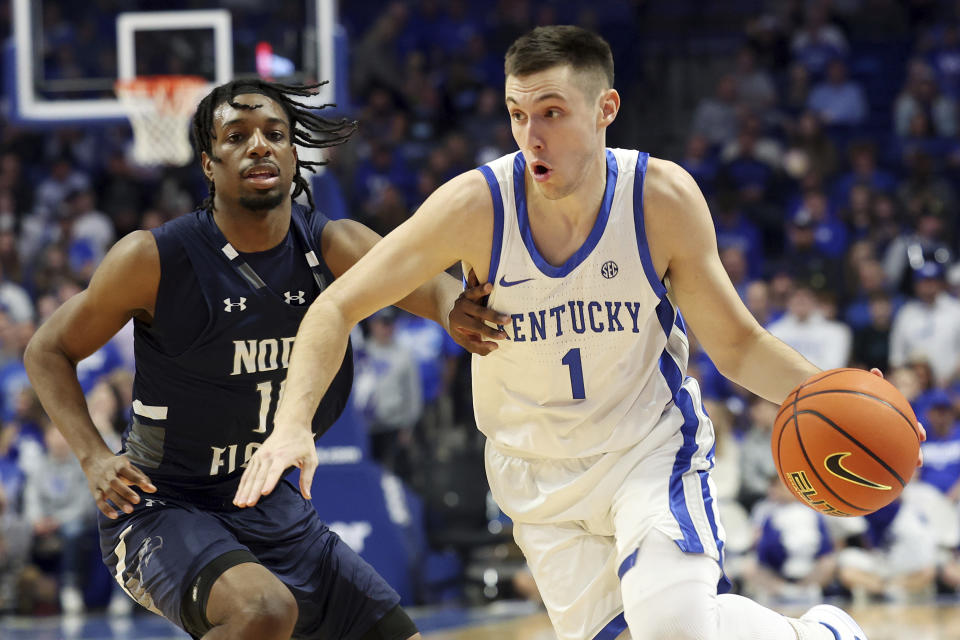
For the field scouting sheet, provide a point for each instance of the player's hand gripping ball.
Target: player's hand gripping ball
(845, 442)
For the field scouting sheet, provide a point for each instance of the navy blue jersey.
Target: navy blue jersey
(211, 365)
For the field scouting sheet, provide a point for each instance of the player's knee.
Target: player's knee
(656, 624)
(675, 613)
(270, 615)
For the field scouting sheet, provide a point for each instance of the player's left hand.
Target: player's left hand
(284, 448)
(920, 430)
(469, 317)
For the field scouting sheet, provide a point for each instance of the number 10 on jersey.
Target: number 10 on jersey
(572, 360)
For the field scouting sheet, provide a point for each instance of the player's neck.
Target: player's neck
(578, 208)
(250, 231)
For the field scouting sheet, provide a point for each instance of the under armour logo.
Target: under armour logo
(289, 298)
(228, 305)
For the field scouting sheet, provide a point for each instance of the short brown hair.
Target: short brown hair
(555, 45)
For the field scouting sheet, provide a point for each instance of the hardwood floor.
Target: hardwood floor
(881, 622)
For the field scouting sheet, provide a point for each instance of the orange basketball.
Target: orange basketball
(845, 442)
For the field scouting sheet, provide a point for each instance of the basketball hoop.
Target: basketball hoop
(159, 108)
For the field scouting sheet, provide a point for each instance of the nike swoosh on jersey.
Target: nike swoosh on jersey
(834, 464)
(505, 283)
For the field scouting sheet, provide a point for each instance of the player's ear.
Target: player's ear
(609, 107)
(206, 163)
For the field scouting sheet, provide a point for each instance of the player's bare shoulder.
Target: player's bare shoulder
(669, 187)
(131, 270)
(468, 194)
(676, 216)
(463, 209)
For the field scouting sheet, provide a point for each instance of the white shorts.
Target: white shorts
(579, 521)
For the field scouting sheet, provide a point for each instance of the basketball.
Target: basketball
(845, 442)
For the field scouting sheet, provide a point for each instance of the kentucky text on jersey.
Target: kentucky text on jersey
(576, 316)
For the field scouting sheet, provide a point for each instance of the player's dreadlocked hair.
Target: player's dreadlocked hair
(307, 129)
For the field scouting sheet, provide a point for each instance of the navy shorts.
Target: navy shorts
(157, 552)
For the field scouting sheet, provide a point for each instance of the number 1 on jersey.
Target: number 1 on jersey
(266, 397)
(572, 359)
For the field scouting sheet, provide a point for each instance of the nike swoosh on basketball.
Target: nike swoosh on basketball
(505, 283)
(834, 464)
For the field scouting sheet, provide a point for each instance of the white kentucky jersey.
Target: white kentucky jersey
(596, 352)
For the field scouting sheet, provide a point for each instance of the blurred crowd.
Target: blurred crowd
(826, 145)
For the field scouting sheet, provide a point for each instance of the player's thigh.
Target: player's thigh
(576, 575)
(157, 552)
(670, 490)
(339, 594)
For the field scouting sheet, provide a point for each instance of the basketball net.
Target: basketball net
(160, 108)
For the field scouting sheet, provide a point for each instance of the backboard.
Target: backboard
(67, 55)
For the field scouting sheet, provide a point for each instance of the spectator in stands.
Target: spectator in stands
(863, 170)
(375, 57)
(757, 299)
(387, 391)
(870, 281)
(920, 94)
(839, 101)
(885, 222)
(734, 263)
(804, 260)
(436, 355)
(929, 325)
(924, 192)
(16, 585)
(810, 147)
(716, 117)
(755, 89)
(14, 183)
(797, 93)
(898, 557)
(752, 142)
(13, 375)
(830, 235)
(856, 213)
(56, 503)
(52, 191)
(757, 470)
(88, 225)
(14, 300)
(818, 41)
(825, 343)
(927, 243)
(735, 230)
(871, 342)
(794, 549)
(941, 451)
(944, 59)
(701, 163)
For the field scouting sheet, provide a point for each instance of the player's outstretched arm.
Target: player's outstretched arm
(454, 224)
(441, 299)
(681, 236)
(124, 286)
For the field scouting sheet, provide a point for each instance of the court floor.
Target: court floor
(503, 621)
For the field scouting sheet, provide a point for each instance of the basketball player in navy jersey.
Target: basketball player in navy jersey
(598, 447)
(216, 297)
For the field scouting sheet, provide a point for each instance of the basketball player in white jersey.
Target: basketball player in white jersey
(598, 447)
